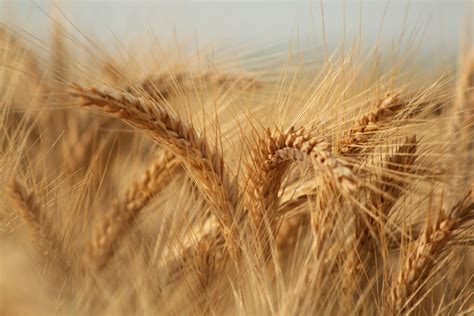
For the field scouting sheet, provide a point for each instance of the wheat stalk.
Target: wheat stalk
(371, 232)
(462, 124)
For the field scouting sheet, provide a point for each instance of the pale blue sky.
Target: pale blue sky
(253, 22)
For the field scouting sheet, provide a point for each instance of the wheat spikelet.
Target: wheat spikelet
(205, 164)
(365, 128)
(78, 145)
(423, 253)
(110, 229)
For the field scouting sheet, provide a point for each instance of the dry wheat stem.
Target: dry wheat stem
(111, 227)
(423, 253)
(206, 165)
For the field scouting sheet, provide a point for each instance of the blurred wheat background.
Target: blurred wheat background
(236, 158)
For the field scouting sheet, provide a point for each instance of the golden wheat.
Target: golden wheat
(363, 205)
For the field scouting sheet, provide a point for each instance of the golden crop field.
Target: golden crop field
(169, 182)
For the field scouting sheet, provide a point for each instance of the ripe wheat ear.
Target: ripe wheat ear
(206, 165)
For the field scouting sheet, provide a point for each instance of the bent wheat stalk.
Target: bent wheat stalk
(110, 229)
(206, 165)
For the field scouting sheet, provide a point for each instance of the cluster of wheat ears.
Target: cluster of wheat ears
(176, 185)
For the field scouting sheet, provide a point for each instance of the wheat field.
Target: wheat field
(177, 184)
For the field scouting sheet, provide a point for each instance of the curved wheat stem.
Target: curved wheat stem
(110, 229)
(423, 253)
(206, 165)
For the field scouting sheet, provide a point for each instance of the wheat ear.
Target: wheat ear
(365, 128)
(359, 135)
(423, 253)
(206, 165)
(273, 156)
(110, 229)
(29, 211)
